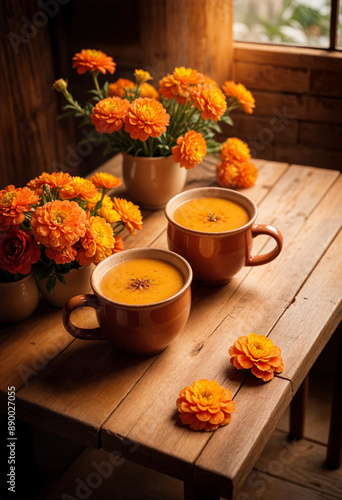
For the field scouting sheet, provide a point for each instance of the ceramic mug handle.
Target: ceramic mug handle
(88, 300)
(258, 260)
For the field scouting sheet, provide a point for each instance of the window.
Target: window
(307, 23)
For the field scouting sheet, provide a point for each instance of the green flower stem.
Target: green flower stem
(145, 148)
(74, 104)
(94, 74)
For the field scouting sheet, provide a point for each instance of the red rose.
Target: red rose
(18, 251)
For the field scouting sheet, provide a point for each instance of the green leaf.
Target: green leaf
(51, 283)
(227, 119)
(45, 271)
(215, 126)
(61, 278)
(105, 89)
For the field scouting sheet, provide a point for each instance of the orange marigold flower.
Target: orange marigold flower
(55, 180)
(118, 88)
(258, 353)
(13, 205)
(142, 76)
(61, 255)
(240, 174)
(18, 251)
(129, 214)
(190, 149)
(58, 224)
(179, 84)
(147, 90)
(105, 180)
(207, 79)
(241, 94)
(210, 101)
(60, 85)
(108, 114)
(93, 60)
(78, 187)
(146, 118)
(234, 149)
(97, 243)
(118, 245)
(205, 405)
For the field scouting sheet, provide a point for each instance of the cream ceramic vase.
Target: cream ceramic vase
(18, 299)
(152, 182)
(77, 282)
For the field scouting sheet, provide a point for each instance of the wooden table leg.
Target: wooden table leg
(193, 492)
(334, 453)
(298, 409)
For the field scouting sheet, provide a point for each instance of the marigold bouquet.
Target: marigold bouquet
(60, 222)
(180, 119)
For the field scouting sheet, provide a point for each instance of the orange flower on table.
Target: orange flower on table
(240, 174)
(129, 214)
(142, 76)
(61, 255)
(108, 114)
(13, 205)
(97, 243)
(146, 118)
(258, 353)
(241, 94)
(233, 149)
(18, 251)
(205, 405)
(56, 180)
(105, 180)
(93, 60)
(58, 224)
(179, 84)
(118, 88)
(190, 149)
(210, 100)
(78, 187)
(107, 210)
(118, 245)
(147, 90)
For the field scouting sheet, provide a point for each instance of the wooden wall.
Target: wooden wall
(298, 114)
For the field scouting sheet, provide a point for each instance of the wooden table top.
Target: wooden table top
(93, 394)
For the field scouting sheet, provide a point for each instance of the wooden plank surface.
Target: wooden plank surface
(219, 316)
(47, 396)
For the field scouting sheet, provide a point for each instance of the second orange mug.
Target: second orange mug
(217, 257)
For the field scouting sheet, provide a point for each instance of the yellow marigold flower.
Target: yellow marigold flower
(13, 205)
(234, 149)
(97, 243)
(58, 224)
(146, 118)
(118, 88)
(190, 149)
(55, 180)
(241, 94)
(147, 90)
(109, 214)
(105, 180)
(179, 83)
(106, 202)
(61, 255)
(210, 100)
(258, 353)
(60, 85)
(78, 187)
(205, 405)
(108, 114)
(129, 214)
(93, 60)
(142, 76)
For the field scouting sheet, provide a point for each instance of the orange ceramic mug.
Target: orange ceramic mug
(216, 257)
(135, 328)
